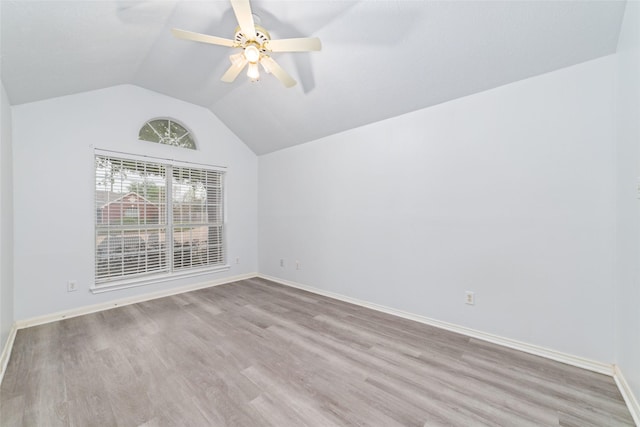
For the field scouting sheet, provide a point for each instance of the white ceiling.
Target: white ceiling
(379, 59)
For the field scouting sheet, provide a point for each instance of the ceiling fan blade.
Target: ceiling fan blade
(203, 38)
(295, 45)
(233, 71)
(242, 9)
(275, 69)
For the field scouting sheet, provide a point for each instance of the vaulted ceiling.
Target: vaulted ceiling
(379, 58)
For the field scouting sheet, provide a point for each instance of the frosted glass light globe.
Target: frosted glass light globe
(252, 54)
(253, 72)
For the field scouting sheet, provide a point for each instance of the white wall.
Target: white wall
(628, 197)
(6, 221)
(508, 193)
(54, 188)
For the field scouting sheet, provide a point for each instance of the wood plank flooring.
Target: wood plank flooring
(255, 353)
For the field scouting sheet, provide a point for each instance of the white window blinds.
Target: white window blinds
(156, 217)
(197, 217)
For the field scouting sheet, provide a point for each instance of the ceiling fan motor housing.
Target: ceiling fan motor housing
(261, 38)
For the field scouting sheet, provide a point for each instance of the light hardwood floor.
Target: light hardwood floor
(255, 353)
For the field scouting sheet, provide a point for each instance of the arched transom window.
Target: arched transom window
(167, 131)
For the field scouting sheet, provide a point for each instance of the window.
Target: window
(167, 131)
(131, 213)
(156, 217)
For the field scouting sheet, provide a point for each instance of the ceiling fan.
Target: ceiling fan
(256, 45)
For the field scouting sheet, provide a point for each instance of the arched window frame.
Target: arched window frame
(185, 140)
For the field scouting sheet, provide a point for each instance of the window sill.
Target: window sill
(158, 278)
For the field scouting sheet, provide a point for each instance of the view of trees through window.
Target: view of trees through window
(154, 217)
(167, 131)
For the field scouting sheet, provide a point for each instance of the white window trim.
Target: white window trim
(162, 277)
(165, 160)
(152, 279)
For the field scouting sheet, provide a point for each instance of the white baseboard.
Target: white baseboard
(6, 351)
(66, 314)
(627, 394)
(569, 359)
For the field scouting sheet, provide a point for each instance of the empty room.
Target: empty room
(319, 213)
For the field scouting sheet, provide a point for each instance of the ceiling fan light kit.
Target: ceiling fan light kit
(256, 45)
(252, 54)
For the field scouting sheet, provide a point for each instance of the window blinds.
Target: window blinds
(155, 217)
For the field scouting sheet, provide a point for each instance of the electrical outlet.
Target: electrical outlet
(237, 260)
(72, 285)
(297, 265)
(281, 262)
(469, 298)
